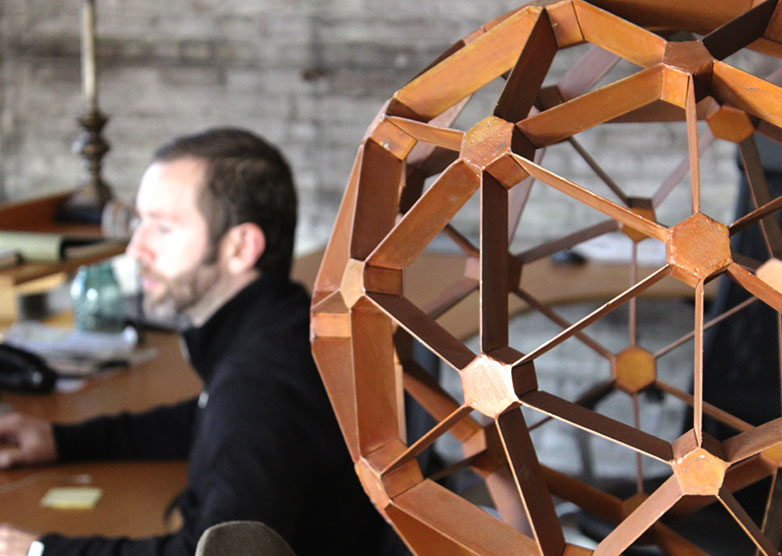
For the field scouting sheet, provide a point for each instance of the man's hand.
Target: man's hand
(15, 542)
(25, 440)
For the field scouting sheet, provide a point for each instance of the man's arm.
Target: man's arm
(160, 433)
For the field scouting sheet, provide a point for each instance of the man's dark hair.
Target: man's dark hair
(247, 180)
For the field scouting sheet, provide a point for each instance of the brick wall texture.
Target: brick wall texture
(309, 75)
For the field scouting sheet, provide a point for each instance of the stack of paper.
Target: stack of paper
(77, 352)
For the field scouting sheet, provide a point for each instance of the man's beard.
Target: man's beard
(180, 293)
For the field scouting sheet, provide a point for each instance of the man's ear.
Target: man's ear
(242, 246)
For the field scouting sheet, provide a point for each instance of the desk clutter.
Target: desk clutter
(37, 244)
(116, 221)
(24, 371)
(8, 257)
(50, 247)
(45, 357)
(102, 336)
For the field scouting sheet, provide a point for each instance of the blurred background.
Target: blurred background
(308, 74)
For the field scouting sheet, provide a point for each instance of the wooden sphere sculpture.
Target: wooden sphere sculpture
(415, 170)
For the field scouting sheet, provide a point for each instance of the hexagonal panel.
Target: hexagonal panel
(700, 473)
(698, 248)
(635, 369)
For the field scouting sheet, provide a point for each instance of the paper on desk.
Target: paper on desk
(70, 385)
(54, 342)
(75, 353)
(72, 498)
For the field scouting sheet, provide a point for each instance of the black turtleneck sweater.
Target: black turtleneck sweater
(261, 440)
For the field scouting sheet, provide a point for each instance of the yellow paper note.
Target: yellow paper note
(71, 498)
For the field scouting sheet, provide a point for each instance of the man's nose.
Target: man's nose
(137, 246)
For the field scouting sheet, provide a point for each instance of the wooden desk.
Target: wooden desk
(135, 493)
(135, 496)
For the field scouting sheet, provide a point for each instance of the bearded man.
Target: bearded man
(214, 244)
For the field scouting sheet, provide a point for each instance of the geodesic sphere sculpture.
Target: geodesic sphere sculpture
(416, 170)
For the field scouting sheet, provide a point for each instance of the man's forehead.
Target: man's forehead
(171, 186)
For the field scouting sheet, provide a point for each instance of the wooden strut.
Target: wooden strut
(414, 173)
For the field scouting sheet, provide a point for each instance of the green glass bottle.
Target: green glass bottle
(97, 300)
